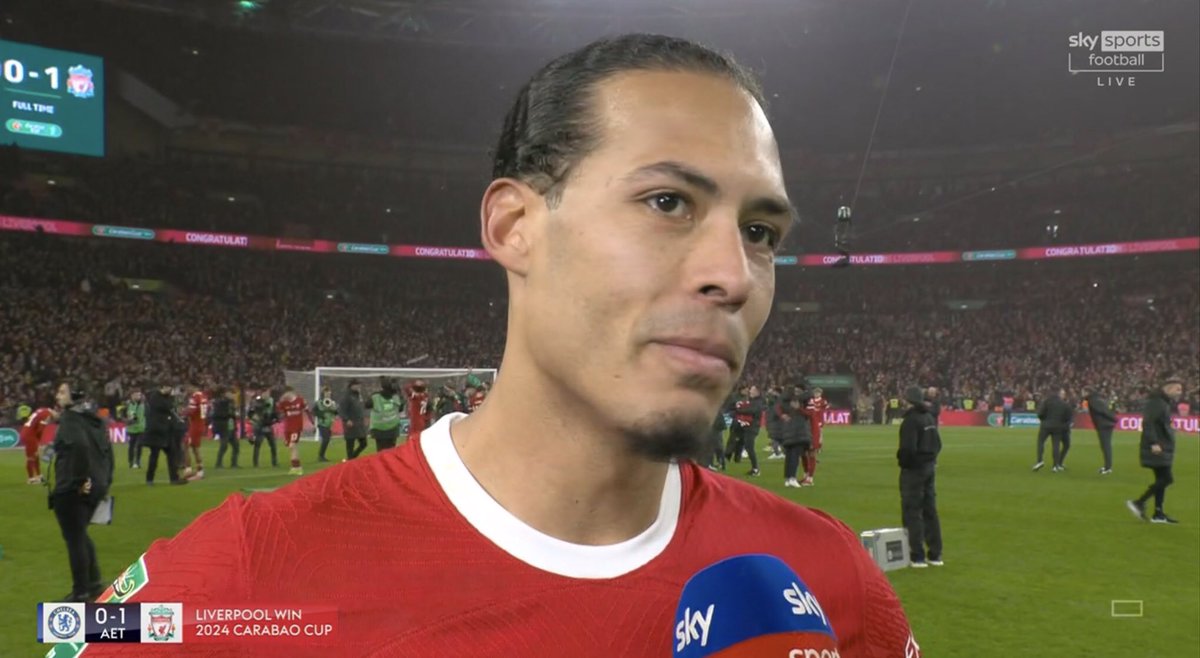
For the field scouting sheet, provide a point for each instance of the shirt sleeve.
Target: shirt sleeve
(204, 563)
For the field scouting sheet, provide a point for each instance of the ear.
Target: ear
(504, 224)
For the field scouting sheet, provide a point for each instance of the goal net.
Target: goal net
(309, 383)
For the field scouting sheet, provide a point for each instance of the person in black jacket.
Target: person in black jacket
(162, 431)
(795, 435)
(224, 425)
(83, 469)
(1104, 420)
(1056, 416)
(1158, 449)
(933, 402)
(920, 444)
(354, 425)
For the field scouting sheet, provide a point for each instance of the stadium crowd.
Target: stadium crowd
(208, 192)
(212, 316)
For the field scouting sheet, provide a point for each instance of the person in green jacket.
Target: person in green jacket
(385, 407)
(324, 410)
(135, 425)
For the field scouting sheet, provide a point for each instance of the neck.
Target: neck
(546, 458)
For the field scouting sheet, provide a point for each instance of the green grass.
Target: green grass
(1033, 560)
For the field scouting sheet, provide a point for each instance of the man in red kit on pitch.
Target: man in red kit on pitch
(817, 406)
(293, 410)
(197, 412)
(636, 207)
(31, 437)
(419, 408)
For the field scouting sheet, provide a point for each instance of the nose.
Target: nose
(718, 267)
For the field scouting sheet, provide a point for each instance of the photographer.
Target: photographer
(83, 469)
(262, 416)
(224, 420)
(325, 410)
(135, 425)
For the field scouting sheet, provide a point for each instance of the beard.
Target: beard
(670, 436)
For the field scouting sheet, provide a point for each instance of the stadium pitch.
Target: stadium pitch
(1034, 561)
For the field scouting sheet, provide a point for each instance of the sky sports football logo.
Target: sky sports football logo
(1116, 55)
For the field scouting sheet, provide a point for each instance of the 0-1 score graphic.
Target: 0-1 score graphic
(51, 100)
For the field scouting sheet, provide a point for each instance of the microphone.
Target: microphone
(751, 606)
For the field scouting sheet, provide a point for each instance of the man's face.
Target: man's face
(62, 396)
(650, 278)
(1173, 391)
(137, 396)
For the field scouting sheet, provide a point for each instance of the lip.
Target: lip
(700, 354)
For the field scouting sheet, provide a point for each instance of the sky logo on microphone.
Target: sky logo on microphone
(751, 605)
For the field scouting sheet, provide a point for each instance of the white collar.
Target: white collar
(530, 546)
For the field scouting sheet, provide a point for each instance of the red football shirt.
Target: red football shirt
(476, 400)
(440, 569)
(418, 411)
(292, 413)
(816, 419)
(35, 426)
(197, 411)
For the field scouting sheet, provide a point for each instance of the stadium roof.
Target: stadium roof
(444, 70)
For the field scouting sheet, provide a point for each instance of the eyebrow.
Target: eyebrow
(770, 205)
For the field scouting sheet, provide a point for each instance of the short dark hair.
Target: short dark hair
(551, 126)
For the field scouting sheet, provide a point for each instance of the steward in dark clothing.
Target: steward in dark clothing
(162, 427)
(1104, 421)
(1056, 416)
(1157, 449)
(83, 470)
(920, 444)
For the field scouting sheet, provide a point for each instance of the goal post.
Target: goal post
(309, 383)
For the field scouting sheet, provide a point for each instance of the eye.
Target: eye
(761, 233)
(669, 203)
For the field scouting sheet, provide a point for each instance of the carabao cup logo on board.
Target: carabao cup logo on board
(79, 82)
(1116, 55)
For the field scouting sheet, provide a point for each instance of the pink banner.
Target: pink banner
(55, 226)
(837, 417)
(241, 241)
(420, 251)
(902, 258)
(1111, 249)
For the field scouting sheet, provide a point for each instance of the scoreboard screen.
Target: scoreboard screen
(51, 100)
